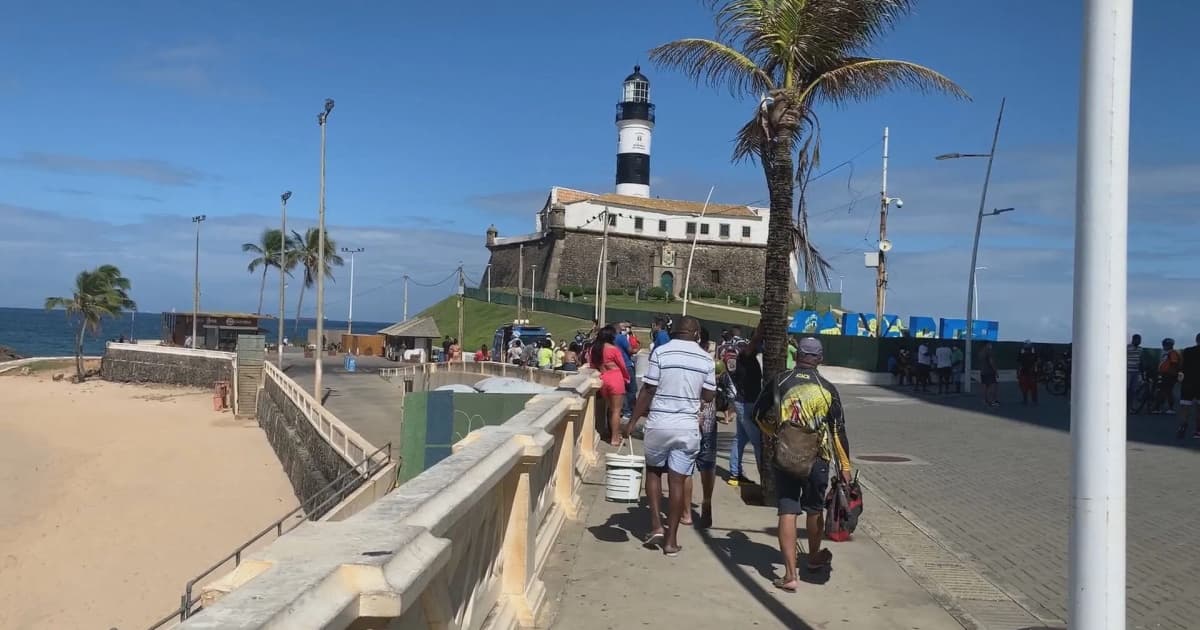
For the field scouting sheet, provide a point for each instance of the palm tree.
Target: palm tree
(306, 250)
(267, 251)
(99, 293)
(790, 56)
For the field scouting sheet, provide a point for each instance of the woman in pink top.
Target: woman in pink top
(608, 359)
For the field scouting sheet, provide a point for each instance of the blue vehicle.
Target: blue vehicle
(519, 329)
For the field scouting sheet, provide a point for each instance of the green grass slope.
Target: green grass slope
(481, 319)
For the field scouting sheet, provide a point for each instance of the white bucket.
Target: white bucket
(623, 476)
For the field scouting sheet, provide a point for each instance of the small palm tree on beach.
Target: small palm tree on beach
(269, 249)
(99, 293)
(306, 249)
(790, 56)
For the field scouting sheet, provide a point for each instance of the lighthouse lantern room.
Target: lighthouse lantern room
(635, 121)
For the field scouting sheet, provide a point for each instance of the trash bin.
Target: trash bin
(351, 363)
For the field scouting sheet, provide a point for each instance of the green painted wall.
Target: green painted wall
(435, 421)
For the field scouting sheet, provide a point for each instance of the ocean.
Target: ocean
(33, 332)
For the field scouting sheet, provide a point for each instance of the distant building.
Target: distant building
(649, 238)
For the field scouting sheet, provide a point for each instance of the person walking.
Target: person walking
(545, 355)
(748, 378)
(944, 360)
(957, 363)
(622, 342)
(804, 411)
(706, 460)
(924, 367)
(988, 376)
(606, 358)
(1168, 374)
(1027, 373)
(680, 377)
(1189, 389)
(1134, 368)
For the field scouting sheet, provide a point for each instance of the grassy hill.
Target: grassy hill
(481, 319)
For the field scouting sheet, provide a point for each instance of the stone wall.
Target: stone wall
(130, 363)
(506, 259)
(309, 460)
(740, 267)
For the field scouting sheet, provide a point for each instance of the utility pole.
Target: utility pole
(533, 289)
(283, 252)
(405, 297)
(198, 219)
(317, 391)
(461, 292)
(881, 270)
(520, 280)
(602, 299)
(489, 283)
(1096, 557)
(687, 277)
(350, 317)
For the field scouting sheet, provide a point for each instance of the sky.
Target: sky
(122, 120)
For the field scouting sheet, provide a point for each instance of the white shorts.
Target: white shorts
(673, 449)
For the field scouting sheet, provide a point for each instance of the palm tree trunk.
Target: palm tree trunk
(262, 288)
(79, 352)
(777, 284)
(299, 303)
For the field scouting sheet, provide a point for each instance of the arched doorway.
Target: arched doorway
(667, 282)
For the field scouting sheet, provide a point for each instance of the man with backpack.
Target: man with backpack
(804, 412)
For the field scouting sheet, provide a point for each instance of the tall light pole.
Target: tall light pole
(350, 316)
(489, 282)
(885, 246)
(976, 282)
(405, 297)
(533, 288)
(602, 286)
(975, 248)
(322, 118)
(198, 219)
(687, 276)
(462, 356)
(520, 280)
(283, 247)
(1098, 476)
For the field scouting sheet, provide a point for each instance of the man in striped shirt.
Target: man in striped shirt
(681, 374)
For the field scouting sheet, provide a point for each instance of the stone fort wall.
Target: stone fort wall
(571, 259)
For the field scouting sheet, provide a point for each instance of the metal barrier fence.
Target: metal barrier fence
(311, 510)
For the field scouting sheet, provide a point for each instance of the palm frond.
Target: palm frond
(713, 63)
(251, 247)
(860, 78)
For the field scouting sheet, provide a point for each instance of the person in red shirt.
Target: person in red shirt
(1168, 374)
(482, 354)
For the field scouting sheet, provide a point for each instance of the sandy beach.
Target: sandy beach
(113, 496)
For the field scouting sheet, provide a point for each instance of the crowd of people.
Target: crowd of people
(1151, 382)
(688, 383)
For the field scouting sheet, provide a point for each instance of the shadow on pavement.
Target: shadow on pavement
(633, 523)
(736, 550)
(1052, 412)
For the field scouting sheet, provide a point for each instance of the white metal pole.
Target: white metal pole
(1098, 506)
(405, 297)
(350, 315)
(198, 219)
(687, 276)
(533, 288)
(881, 270)
(975, 255)
(461, 296)
(317, 391)
(520, 279)
(975, 282)
(602, 299)
(489, 283)
(283, 240)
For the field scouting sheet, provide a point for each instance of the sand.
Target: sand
(113, 496)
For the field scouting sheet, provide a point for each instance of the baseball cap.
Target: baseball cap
(811, 345)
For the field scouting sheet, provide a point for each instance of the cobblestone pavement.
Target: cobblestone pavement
(993, 486)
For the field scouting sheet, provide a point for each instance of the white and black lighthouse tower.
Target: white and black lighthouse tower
(635, 121)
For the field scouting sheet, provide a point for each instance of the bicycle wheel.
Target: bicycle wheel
(1057, 386)
(1141, 398)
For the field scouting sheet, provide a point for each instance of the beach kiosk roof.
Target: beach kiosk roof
(419, 327)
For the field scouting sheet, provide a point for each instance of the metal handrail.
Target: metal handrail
(312, 511)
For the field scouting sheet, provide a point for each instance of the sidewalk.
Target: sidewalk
(603, 578)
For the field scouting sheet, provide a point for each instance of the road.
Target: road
(361, 399)
(993, 487)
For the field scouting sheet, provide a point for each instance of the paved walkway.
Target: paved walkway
(992, 486)
(606, 579)
(361, 399)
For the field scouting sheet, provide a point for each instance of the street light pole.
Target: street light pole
(533, 288)
(520, 280)
(350, 316)
(322, 118)
(881, 278)
(462, 356)
(489, 283)
(602, 299)
(687, 276)
(976, 282)
(283, 243)
(198, 219)
(1098, 430)
(405, 297)
(975, 247)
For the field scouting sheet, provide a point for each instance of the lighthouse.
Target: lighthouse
(635, 121)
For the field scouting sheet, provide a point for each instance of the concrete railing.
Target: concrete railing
(461, 546)
(344, 440)
(551, 378)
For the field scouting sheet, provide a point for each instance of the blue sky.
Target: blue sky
(123, 120)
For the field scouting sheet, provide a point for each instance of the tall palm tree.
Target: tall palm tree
(790, 56)
(306, 249)
(267, 254)
(99, 293)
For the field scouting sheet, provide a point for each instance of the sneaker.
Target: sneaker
(739, 480)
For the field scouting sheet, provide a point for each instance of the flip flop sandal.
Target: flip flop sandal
(671, 553)
(783, 586)
(655, 540)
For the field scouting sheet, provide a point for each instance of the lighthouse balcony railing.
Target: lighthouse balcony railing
(635, 111)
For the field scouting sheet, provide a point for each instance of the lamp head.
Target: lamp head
(328, 106)
(948, 156)
(899, 202)
(287, 194)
